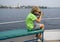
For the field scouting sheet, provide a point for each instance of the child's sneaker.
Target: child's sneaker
(39, 40)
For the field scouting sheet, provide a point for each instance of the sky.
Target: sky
(48, 3)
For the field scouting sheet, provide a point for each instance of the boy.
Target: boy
(33, 20)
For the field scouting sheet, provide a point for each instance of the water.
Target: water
(13, 18)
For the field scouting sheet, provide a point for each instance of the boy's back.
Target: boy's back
(30, 21)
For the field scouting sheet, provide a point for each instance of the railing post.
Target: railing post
(42, 40)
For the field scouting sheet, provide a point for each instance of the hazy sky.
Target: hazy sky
(49, 3)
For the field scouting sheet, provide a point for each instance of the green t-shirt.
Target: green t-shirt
(30, 21)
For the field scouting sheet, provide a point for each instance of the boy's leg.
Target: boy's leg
(41, 27)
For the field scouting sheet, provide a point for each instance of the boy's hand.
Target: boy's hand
(40, 16)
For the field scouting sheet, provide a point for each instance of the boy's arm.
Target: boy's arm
(39, 18)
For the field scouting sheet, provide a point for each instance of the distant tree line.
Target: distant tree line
(2, 6)
(32, 6)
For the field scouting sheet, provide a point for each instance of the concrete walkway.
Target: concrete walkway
(52, 41)
(45, 41)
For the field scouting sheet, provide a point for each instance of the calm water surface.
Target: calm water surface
(51, 18)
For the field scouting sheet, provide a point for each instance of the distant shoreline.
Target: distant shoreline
(18, 7)
(29, 8)
(24, 7)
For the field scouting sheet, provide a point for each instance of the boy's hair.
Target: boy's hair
(34, 9)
